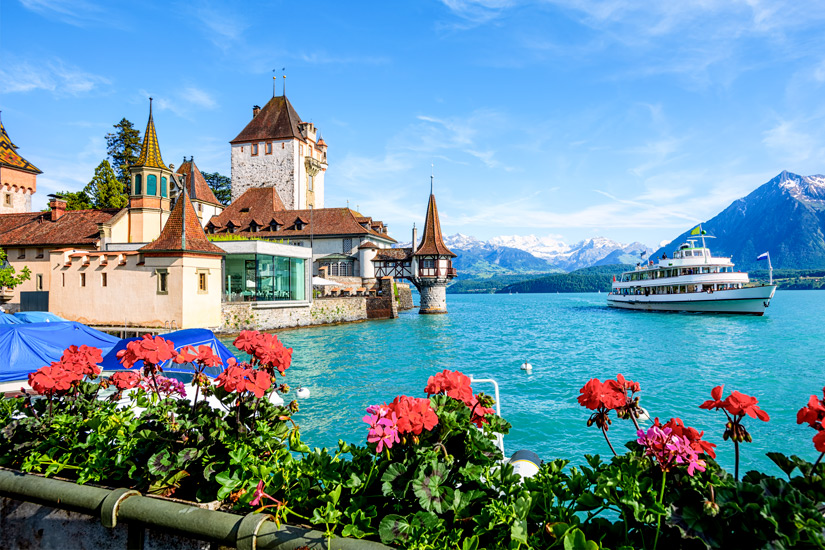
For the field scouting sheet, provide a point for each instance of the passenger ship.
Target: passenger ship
(693, 280)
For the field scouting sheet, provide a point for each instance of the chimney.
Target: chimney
(415, 237)
(255, 110)
(58, 207)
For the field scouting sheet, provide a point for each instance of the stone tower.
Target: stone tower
(432, 266)
(18, 177)
(277, 149)
(149, 202)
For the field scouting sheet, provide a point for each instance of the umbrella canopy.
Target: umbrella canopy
(26, 347)
(188, 337)
(320, 281)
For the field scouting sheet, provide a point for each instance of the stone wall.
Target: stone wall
(405, 299)
(433, 295)
(274, 170)
(252, 315)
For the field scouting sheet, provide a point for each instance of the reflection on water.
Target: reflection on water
(569, 338)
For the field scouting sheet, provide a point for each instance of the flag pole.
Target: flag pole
(770, 270)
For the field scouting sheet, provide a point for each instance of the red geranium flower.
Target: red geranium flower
(737, 404)
(813, 414)
(50, 379)
(414, 414)
(232, 379)
(82, 360)
(123, 380)
(247, 340)
(148, 349)
(207, 357)
(452, 383)
(479, 412)
(608, 394)
(186, 354)
(258, 382)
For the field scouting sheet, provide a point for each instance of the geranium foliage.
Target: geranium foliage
(426, 472)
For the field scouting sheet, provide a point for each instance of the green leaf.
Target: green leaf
(160, 463)
(394, 528)
(575, 540)
(428, 488)
(588, 501)
(394, 471)
(785, 464)
(470, 543)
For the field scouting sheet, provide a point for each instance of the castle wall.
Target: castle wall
(131, 294)
(37, 260)
(16, 189)
(277, 169)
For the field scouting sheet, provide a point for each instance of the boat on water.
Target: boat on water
(692, 280)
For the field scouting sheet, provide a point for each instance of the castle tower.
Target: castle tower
(18, 177)
(149, 202)
(277, 149)
(432, 266)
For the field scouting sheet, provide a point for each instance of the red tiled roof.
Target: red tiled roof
(393, 254)
(263, 203)
(182, 232)
(277, 120)
(197, 186)
(368, 244)
(9, 156)
(432, 242)
(74, 227)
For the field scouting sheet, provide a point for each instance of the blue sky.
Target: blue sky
(575, 118)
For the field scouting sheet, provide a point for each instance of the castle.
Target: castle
(176, 257)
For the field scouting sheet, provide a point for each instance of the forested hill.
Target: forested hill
(589, 279)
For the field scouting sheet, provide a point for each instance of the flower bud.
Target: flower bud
(710, 508)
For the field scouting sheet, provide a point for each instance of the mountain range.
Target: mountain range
(531, 254)
(785, 217)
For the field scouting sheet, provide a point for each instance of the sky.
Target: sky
(626, 119)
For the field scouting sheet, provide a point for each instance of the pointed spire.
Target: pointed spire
(432, 241)
(9, 155)
(150, 151)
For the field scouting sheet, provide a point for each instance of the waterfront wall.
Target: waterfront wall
(29, 525)
(251, 315)
(405, 300)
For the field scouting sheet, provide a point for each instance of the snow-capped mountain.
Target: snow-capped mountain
(569, 257)
(784, 216)
(516, 253)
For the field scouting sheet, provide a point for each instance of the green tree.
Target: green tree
(123, 147)
(76, 200)
(220, 185)
(9, 278)
(105, 191)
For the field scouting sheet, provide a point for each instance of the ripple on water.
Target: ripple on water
(570, 338)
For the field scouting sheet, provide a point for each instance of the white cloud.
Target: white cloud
(792, 142)
(52, 75)
(79, 13)
(199, 97)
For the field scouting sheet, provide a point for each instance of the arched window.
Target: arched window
(138, 185)
(151, 184)
(163, 187)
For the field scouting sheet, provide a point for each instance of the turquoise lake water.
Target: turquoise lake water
(569, 338)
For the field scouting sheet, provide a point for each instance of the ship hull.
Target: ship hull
(747, 301)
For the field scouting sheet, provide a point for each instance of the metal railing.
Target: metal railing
(249, 532)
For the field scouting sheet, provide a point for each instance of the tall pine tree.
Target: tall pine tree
(220, 185)
(105, 190)
(123, 147)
